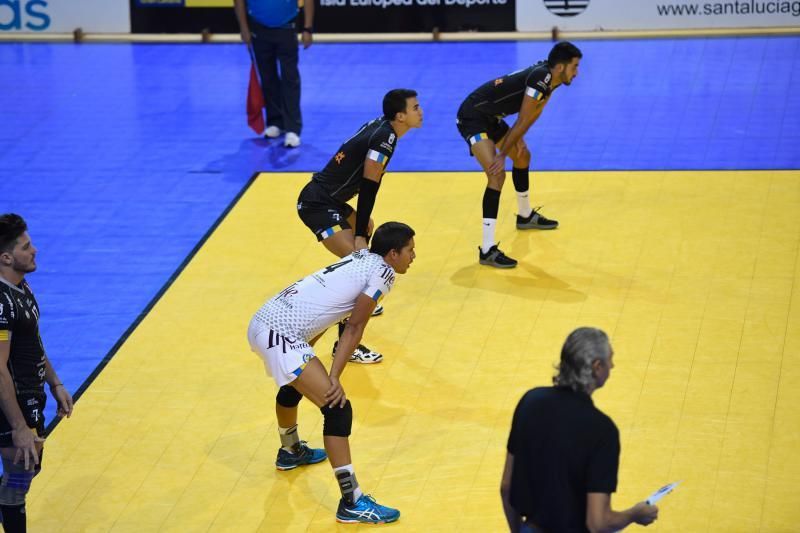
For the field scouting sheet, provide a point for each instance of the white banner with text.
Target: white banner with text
(588, 15)
(59, 16)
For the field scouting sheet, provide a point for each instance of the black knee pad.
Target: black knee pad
(338, 420)
(288, 396)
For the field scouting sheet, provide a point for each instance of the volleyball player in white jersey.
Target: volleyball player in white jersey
(283, 333)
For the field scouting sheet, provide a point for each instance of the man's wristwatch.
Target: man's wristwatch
(308, 30)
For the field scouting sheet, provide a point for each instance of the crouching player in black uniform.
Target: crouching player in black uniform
(480, 123)
(357, 169)
(24, 368)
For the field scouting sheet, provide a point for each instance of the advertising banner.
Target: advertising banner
(183, 16)
(587, 15)
(61, 16)
(333, 16)
(383, 16)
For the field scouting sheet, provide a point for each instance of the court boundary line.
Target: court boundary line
(533, 170)
(154, 300)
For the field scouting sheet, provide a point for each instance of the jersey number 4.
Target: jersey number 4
(331, 268)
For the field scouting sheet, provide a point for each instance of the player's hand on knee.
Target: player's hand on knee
(25, 442)
(523, 155)
(498, 165)
(335, 396)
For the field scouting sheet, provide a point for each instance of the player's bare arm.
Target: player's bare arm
(512, 517)
(58, 390)
(601, 518)
(528, 114)
(353, 331)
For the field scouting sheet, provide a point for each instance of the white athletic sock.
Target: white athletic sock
(346, 477)
(523, 204)
(488, 234)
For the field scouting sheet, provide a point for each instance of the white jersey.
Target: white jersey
(308, 307)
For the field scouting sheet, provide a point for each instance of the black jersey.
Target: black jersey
(563, 448)
(19, 320)
(503, 96)
(341, 177)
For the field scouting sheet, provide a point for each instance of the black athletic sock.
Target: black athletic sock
(491, 203)
(521, 179)
(521, 185)
(14, 520)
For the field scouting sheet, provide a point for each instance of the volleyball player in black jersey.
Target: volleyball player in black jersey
(356, 169)
(481, 125)
(24, 368)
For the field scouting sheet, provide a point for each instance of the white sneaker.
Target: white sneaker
(292, 140)
(362, 355)
(271, 132)
(365, 356)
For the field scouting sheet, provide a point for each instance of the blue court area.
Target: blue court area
(122, 156)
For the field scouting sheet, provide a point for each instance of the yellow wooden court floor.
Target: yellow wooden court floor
(694, 275)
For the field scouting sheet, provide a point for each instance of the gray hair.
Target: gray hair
(582, 347)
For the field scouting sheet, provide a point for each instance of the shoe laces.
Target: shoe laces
(301, 448)
(497, 250)
(541, 216)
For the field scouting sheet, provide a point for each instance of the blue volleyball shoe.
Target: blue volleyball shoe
(303, 456)
(365, 511)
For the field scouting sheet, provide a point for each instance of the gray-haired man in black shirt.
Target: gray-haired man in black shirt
(563, 452)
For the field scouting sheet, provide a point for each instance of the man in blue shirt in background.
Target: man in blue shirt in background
(269, 27)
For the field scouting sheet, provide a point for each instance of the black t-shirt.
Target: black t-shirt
(563, 448)
(341, 177)
(19, 320)
(503, 96)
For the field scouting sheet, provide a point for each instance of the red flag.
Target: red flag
(255, 102)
